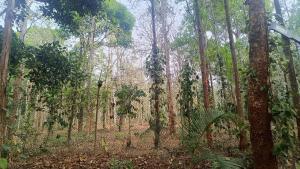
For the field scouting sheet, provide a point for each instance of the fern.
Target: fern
(201, 120)
(222, 162)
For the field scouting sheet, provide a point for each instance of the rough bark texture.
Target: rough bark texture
(291, 68)
(166, 49)
(204, 71)
(6, 45)
(259, 116)
(156, 112)
(238, 97)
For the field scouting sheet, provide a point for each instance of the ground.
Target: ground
(111, 152)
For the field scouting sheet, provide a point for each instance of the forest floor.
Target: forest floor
(111, 152)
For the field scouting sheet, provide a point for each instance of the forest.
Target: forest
(149, 84)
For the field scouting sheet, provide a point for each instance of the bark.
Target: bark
(81, 107)
(90, 69)
(204, 71)
(128, 144)
(96, 119)
(166, 49)
(71, 118)
(155, 58)
(238, 97)
(6, 45)
(258, 91)
(291, 68)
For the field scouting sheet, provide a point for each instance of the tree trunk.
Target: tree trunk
(166, 49)
(71, 118)
(258, 92)
(90, 71)
(204, 71)
(96, 119)
(156, 82)
(6, 45)
(291, 68)
(81, 106)
(128, 144)
(238, 98)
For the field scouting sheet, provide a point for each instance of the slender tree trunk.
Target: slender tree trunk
(6, 45)
(211, 87)
(96, 119)
(81, 106)
(156, 82)
(291, 68)
(258, 92)
(238, 97)
(71, 118)
(90, 69)
(128, 144)
(166, 49)
(204, 71)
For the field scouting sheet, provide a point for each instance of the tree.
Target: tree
(200, 32)
(290, 67)
(166, 52)
(258, 92)
(155, 71)
(127, 97)
(240, 112)
(7, 37)
(99, 85)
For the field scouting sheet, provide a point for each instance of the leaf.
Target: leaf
(3, 163)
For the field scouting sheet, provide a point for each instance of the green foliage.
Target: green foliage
(186, 92)
(127, 95)
(121, 18)
(64, 12)
(49, 67)
(19, 52)
(221, 162)
(37, 36)
(120, 164)
(3, 163)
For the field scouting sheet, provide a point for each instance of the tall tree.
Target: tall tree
(204, 69)
(166, 50)
(155, 74)
(239, 103)
(7, 37)
(258, 92)
(291, 68)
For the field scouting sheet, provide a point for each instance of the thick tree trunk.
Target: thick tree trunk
(156, 79)
(238, 97)
(204, 71)
(258, 92)
(166, 50)
(6, 45)
(291, 68)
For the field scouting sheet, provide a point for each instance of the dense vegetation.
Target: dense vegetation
(206, 83)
